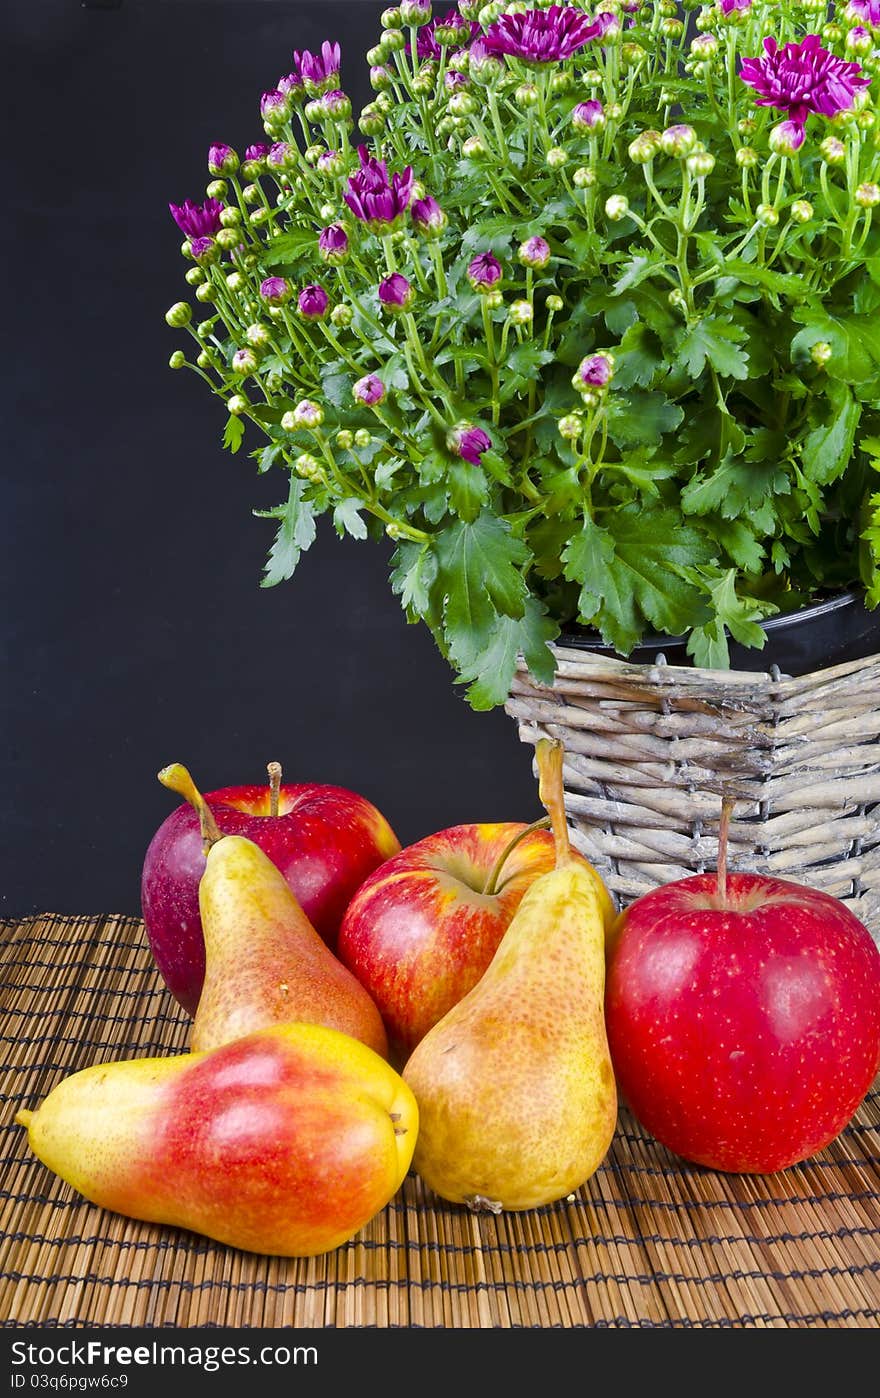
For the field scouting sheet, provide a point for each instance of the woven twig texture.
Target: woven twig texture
(649, 1242)
(651, 749)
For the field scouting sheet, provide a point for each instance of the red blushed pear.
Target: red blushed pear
(325, 840)
(264, 962)
(422, 929)
(287, 1141)
(743, 1016)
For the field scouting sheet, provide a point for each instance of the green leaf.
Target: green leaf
(650, 546)
(639, 418)
(638, 357)
(289, 247)
(635, 271)
(754, 274)
(828, 449)
(468, 488)
(347, 519)
(480, 581)
(267, 457)
(414, 575)
(718, 342)
(233, 433)
(491, 671)
(854, 341)
(737, 487)
(738, 615)
(585, 561)
(296, 533)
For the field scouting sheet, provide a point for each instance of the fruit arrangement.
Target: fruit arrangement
(472, 1008)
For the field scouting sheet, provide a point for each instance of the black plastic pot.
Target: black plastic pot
(813, 638)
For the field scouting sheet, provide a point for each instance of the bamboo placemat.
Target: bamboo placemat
(648, 1242)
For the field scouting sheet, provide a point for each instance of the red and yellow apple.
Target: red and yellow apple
(325, 840)
(421, 929)
(743, 1018)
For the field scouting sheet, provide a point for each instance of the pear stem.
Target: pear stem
(550, 755)
(178, 779)
(727, 804)
(274, 770)
(495, 875)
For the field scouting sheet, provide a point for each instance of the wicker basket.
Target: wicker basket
(650, 750)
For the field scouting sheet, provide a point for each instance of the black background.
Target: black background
(134, 628)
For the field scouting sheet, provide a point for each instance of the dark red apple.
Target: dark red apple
(324, 839)
(421, 930)
(743, 1018)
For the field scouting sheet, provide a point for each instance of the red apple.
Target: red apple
(421, 930)
(324, 839)
(743, 1018)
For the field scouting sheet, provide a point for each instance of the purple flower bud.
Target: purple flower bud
(313, 302)
(197, 220)
(588, 116)
(534, 252)
(336, 104)
(729, 6)
(454, 81)
(415, 12)
(786, 138)
(274, 105)
(202, 248)
(276, 290)
(279, 156)
(484, 271)
(256, 153)
(333, 243)
(319, 71)
(308, 414)
(244, 361)
(468, 442)
(396, 292)
(595, 371)
(374, 197)
(292, 86)
(329, 162)
(370, 390)
(428, 217)
(222, 160)
(864, 11)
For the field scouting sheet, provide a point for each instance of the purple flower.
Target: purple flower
(416, 12)
(276, 290)
(336, 103)
(802, 78)
(373, 197)
(396, 292)
(333, 243)
(222, 160)
(428, 217)
(468, 442)
(452, 22)
(484, 271)
(319, 71)
(588, 116)
(313, 302)
(866, 11)
(534, 252)
(482, 63)
(197, 220)
(729, 6)
(545, 36)
(454, 81)
(257, 152)
(370, 390)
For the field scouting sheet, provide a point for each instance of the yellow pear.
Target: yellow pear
(264, 961)
(515, 1089)
(286, 1141)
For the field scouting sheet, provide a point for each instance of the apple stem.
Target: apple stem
(274, 770)
(178, 779)
(550, 755)
(495, 875)
(727, 804)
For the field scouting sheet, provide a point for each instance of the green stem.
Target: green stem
(491, 886)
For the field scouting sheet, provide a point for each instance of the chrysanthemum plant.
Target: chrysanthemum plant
(581, 311)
